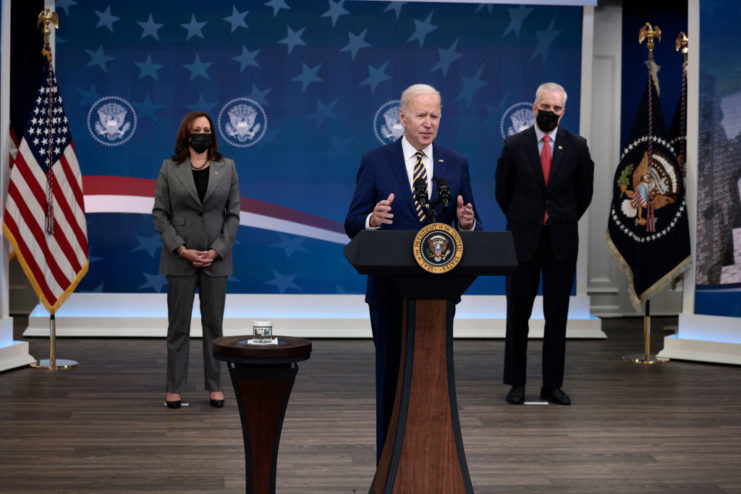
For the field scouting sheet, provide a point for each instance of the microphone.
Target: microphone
(443, 190)
(420, 192)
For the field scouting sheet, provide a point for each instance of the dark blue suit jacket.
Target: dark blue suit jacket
(523, 196)
(383, 171)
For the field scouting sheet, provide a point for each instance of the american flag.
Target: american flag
(45, 214)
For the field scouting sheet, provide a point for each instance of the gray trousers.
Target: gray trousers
(180, 293)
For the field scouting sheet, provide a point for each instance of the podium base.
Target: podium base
(640, 358)
(61, 364)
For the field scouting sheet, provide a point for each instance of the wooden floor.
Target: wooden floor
(101, 427)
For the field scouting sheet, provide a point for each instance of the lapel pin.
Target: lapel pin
(560, 147)
(441, 161)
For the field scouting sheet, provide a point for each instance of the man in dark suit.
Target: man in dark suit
(383, 200)
(543, 185)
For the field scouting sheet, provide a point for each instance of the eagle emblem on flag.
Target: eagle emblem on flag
(648, 188)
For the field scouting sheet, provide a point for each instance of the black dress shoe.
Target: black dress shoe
(516, 395)
(555, 395)
(173, 404)
(216, 403)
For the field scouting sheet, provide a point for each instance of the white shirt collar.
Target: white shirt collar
(539, 133)
(410, 150)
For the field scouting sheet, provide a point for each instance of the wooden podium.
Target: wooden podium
(423, 451)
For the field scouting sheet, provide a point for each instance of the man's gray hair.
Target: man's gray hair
(415, 90)
(550, 87)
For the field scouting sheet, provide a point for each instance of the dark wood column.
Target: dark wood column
(424, 451)
(262, 377)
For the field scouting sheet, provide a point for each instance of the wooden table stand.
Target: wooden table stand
(262, 377)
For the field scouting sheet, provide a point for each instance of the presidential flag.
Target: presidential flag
(44, 213)
(648, 231)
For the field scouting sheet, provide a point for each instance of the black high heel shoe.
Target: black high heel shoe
(216, 403)
(173, 404)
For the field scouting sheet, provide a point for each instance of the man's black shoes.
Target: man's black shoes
(516, 395)
(553, 395)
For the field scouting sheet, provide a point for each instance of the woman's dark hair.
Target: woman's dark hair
(182, 141)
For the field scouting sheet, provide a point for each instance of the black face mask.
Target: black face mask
(200, 142)
(547, 120)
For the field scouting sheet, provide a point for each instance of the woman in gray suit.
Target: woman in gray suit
(196, 212)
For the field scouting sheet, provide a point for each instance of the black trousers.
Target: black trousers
(386, 323)
(522, 287)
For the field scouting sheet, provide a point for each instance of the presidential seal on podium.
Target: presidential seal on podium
(438, 248)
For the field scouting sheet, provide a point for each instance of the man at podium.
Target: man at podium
(404, 186)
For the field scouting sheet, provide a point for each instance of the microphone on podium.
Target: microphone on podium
(420, 192)
(443, 190)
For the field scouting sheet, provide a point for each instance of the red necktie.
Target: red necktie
(545, 162)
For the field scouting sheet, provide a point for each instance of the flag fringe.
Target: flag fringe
(636, 300)
(51, 308)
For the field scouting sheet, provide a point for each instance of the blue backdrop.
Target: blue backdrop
(718, 268)
(298, 91)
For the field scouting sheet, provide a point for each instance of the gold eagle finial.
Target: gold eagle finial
(682, 43)
(47, 17)
(649, 33)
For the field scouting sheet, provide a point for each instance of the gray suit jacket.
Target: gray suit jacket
(180, 218)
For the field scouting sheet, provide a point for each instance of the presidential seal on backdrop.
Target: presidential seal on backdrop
(516, 118)
(242, 122)
(386, 123)
(111, 121)
(438, 248)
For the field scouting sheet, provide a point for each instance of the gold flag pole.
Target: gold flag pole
(648, 33)
(681, 43)
(48, 18)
